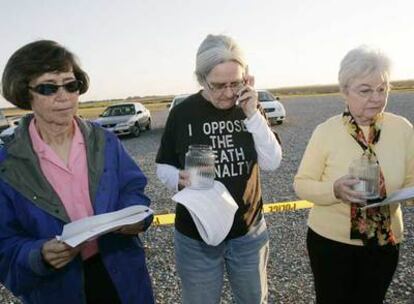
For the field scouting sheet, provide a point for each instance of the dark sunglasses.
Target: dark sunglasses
(48, 89)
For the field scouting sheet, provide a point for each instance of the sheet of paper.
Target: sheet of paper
(212, 211)
(91, 227)
(395, 197)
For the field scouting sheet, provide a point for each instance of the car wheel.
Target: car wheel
(148, 127)
(136, 130)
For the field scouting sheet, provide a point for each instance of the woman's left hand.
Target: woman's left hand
(131, 229)
(248, 97)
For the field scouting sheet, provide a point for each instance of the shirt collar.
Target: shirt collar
(39, 146)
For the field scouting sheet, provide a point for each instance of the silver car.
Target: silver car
(126, 118)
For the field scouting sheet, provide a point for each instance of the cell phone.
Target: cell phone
(238, 98)
(239, 94)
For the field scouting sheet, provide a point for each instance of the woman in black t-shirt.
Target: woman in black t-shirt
(243, 142)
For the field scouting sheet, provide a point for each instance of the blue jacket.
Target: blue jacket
(31, 213)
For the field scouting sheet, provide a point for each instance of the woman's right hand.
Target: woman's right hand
(57, 254)
(343, 190)
(183, 179)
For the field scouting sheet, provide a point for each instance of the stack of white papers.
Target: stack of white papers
(395, 197)
(91, 227)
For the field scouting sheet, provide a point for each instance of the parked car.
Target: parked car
(274, 109)
(177, 100)
(126, 118)
(8, 134)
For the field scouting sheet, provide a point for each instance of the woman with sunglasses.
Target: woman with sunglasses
(243, 143)
(353, 252)
(58, 169)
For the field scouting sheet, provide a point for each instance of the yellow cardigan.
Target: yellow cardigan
(328, 155)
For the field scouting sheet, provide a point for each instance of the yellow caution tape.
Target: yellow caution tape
(286, 206)
(168, 219)
(164, 219)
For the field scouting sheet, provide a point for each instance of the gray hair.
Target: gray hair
(360, 62)
(216, 49)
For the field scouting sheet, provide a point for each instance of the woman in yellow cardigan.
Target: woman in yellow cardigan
(353, 253)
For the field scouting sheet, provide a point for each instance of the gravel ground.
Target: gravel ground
(290, 278)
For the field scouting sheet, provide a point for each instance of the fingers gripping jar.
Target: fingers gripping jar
(199, 162)
(367, 171)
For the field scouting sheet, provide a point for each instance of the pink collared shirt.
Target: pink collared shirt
(70, 181)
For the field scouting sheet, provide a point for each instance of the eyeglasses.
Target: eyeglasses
(368, 92)
(48, 89)
(220, 88)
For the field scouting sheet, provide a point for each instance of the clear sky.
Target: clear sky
(144, 47)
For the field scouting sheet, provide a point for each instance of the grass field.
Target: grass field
(89, 112)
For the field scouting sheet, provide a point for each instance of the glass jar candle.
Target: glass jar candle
(368, 172)
(199, 162)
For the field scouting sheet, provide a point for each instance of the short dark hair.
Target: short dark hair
(33, 60)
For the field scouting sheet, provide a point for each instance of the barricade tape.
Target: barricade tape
(168, 219)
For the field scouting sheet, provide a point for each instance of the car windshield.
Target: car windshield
(265, 96)
(119, 111)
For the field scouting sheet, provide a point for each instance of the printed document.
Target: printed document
(89, 228)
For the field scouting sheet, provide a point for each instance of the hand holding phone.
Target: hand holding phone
(247, 96)
(249, 82)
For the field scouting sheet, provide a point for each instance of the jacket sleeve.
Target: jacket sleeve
(168, 175)
(21, 264)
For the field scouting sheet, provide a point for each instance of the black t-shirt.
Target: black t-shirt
(197, 121)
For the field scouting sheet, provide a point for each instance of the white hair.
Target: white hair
(360, 62)
(214, 50)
